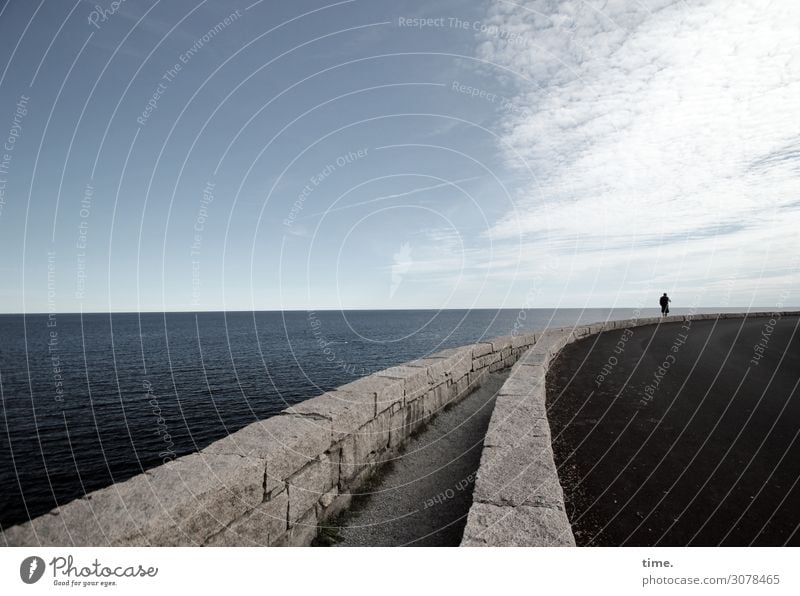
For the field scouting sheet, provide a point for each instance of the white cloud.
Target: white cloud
(653, 128)
(401, 263)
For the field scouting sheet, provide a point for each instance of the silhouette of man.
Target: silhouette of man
(664, 302)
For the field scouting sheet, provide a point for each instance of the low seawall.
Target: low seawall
(518, 499)
(273, 482)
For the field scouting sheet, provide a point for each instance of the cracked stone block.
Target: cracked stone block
(608, 326)
(649, 321)
(490, 525)
(449, 394)
(301, 533)
(414, 378)
(579, 332)
(461, 387)
(339, 503)
(200, 493)
(374, 437)
(534, 357)
(415, 415)
(329, 497)
(531, 403)
(515, 424)
(629, 323)
(522, 340)
(350, 485)
(460, 364)
(351, 463)
(596, 328)
(521, 475)
(456, 363)
(477, 377)
(180, 503)
(435, 400)
(502, 343)
(77, 524)
(525, 380)
(436, 368)
(486, 361)
(261, 526)
(545, 349)
(386, 391)
(527, 369)
(481, 349)
(286, 442)
(398, 432)
(499, 365)
(308, 485)
(347, 411)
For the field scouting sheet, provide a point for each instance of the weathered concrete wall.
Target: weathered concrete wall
(273, 482)
(518, 499)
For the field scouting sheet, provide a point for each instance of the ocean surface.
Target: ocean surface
(88, 400)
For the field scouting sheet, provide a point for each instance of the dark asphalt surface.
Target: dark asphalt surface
(703, 452)
(423, 498)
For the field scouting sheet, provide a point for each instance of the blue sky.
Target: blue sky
(361, 154)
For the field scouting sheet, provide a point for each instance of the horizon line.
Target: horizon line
(420, 309)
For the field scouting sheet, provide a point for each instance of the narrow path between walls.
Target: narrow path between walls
(423, 497)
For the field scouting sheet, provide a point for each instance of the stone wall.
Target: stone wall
(273, 482)
(518, 499)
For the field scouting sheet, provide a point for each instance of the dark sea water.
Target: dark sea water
(88, 400)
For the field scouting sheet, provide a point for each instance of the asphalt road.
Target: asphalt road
(681, 435)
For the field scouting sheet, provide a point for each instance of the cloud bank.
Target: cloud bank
(663, 137)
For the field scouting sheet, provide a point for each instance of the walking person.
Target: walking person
(664, 302)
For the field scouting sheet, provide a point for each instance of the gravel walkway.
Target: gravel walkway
(422, 499)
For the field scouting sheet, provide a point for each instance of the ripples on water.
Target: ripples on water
(136, 388)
